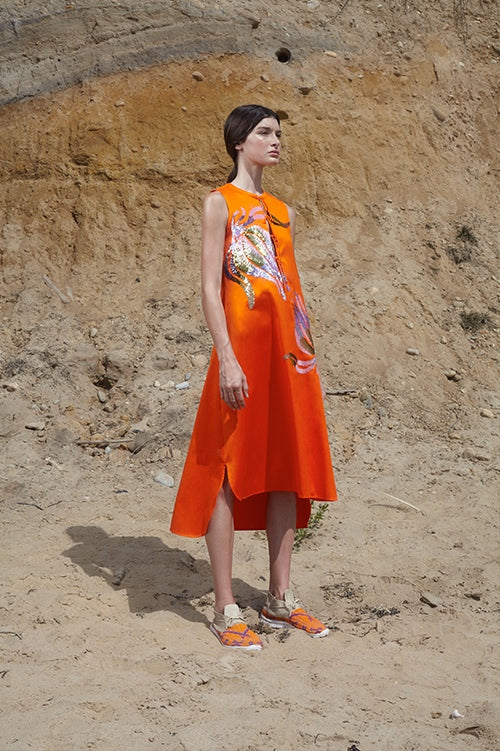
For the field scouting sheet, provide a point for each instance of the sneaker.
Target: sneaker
(289, 613)
(232, 631)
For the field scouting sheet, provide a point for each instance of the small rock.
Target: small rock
(198, 76)
(93, 332)
(366, 400)
(102, 396)
(412, 351)
(438, 114)
(120, 103)
(157, 384)
(264, 77)
(305, 90)
(429, 599)
(155, 204)
(476, 455)
(182, 385)
(330, 53)
(487, 413)
(473, 595)
(187, 376)
(10, 386)
(118, 576)
(455, 715)
(164, 479)
(35, 426)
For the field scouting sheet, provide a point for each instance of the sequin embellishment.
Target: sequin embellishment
(303, 338)
(252, 254)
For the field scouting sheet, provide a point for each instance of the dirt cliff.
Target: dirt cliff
(389, 119)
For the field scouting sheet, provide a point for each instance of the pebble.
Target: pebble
(487, 413)
(118, 576)
(164, 479)
(10, 386)
(198, 76)
(102, 396)
(438, 114)
(412, 351)
(264, 77)
(366, 400)
(182, 385)
(93, 332)
(35, 426)
(330, 53)
(120, 103)
(452, 375)
(429, 599)
(476, 455)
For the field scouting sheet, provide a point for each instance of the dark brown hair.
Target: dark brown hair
(240, 122)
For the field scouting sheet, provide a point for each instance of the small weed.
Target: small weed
(466, 241)
(466, 235)
(474, 321)
(315, 521)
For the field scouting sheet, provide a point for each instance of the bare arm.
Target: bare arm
(292, 216)
(232, 380)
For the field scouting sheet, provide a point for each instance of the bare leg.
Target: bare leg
(280, 528)
(220, 539)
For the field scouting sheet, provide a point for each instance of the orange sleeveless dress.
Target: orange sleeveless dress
(278, 441)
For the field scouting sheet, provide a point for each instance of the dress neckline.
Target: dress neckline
(248, 192)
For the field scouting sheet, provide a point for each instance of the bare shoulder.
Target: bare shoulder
(214, 204)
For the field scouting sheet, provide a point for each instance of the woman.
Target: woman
(259, 449)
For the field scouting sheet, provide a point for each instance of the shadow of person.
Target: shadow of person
(154, 576)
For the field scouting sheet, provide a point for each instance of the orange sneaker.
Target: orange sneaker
(232, 631)
(289, 613)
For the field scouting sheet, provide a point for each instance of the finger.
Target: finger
(239, 401)
(245, 387)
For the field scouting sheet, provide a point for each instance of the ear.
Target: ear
(238, 146)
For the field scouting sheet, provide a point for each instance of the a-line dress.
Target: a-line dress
(278, 441)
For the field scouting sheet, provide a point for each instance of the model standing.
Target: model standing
(259, 450)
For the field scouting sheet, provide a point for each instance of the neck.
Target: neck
(249, 178)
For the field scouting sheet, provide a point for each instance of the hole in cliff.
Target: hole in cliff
(284, 55)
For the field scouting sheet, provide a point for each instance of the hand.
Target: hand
(232, 382)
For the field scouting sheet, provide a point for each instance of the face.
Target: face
(262, 146)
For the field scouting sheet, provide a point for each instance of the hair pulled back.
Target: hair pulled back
(240, 122)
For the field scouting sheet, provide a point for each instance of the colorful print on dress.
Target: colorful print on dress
(251, 254)
(303, 338)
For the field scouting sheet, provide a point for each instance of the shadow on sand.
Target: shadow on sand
(154, 576)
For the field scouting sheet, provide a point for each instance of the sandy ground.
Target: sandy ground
(390, 160)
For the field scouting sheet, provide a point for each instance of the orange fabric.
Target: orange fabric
(278, 441)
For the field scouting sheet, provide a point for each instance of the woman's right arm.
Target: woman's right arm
(232, 381)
